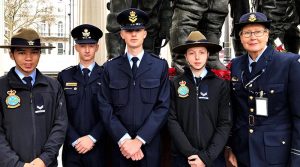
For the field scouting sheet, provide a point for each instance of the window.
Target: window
(43, 29)
(60, 48)
(60, 29)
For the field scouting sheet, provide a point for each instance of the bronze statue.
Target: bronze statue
(206, 16)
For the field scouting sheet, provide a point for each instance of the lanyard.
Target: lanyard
(251, 81)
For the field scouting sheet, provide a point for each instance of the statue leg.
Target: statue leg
(115, 45)
(186, 16)
(285, 14)
(211, 27)
(292, 39)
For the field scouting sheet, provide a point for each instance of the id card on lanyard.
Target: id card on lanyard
(261, 105)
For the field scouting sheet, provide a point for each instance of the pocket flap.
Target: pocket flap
(71, 91)
(150, 83)
(277, 138)
(275, 88)
(118, 84)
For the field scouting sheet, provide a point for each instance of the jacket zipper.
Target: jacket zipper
(197, 111)
(33, 125)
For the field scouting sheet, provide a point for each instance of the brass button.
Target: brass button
(283, 142)
(251, 110)
(251, 130)
(251, 97)
(272, 91)
(233, 88)
(250, 86)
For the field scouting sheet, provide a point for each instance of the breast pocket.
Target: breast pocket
(149, 90)
(277, 147)
(72, 98)
(119, 91)
(237, 88)
(276, 96)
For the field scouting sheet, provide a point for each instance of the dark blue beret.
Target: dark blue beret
(132, 18)
(86, 34)
(253, 18)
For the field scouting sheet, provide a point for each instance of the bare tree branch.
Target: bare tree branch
(25, 13)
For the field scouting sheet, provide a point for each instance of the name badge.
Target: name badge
(261, 106)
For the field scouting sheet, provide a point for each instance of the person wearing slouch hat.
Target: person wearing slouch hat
(33, 118)
(199, 121)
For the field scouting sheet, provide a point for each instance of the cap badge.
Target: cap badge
(31, 43)
(132, 17)
(12, 100)
(252, 18)
(86, 34)
(183, 90)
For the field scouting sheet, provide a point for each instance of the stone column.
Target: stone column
(95, 12)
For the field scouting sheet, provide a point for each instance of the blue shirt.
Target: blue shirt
(21, 75)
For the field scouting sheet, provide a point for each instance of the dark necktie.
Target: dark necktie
(134, 66)
(28, 81)
(198, 79)
(253, 65)
(86, 72)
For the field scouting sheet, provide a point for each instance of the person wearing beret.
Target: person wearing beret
(84, 144)
(199, 121)
(265, 100)
(134, 99)
(33, 116)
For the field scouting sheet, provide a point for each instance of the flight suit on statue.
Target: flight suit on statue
(206, 16)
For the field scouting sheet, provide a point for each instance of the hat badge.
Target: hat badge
(86, 34)
(31, 43)
(132, 17)
(252, 18)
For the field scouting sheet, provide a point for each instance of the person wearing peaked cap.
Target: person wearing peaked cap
(84, 143)
(135, 97)
(86, 34)
(160, 18)
(265, 103)
(284, 31)
(33, 118)
(208, 111)
(132, 19)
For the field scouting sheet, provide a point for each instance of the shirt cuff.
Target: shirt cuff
(74, 143)
(92, 138)
(142, 140)
(125, 137)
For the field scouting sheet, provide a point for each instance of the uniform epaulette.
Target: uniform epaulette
(114, 58)
(68, 68)
(154, 55)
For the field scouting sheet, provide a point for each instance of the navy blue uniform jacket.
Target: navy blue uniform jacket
(135, 106)
(273, 139)
(82, 103)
